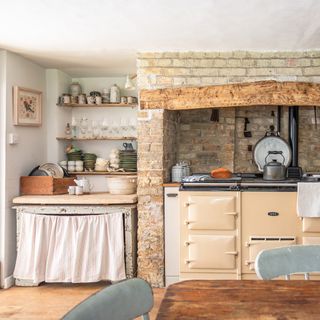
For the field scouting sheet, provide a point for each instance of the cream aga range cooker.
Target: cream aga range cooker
(225, 223)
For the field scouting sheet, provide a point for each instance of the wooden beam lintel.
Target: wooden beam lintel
(261, 93)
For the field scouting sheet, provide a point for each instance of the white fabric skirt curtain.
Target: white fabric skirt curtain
(86, 248)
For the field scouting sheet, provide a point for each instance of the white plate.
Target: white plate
(271, 143)
(54, 170)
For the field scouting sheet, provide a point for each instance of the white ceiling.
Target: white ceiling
(101, 37)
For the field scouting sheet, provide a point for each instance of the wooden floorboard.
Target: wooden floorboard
(52, 301)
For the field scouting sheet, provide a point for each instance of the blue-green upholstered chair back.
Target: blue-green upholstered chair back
(285, 261)
(123, 300)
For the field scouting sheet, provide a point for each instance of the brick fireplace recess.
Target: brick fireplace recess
(174, 123)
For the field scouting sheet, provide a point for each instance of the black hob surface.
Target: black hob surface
(238, 182)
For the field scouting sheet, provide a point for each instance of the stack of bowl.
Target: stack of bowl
(74, 156)
(89, 160)
(128, 160)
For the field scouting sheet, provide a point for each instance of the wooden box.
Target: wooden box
(35, 185)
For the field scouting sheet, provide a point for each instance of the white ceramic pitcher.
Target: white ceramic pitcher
(84, 182)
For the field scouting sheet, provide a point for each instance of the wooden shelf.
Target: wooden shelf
(100, 173)
(104, 105)
(96, 139)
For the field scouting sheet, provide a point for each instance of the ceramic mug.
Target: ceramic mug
(72, 190)
(71, 168)
(79, 190)
(79, 168)
(63, 164)
(98, 100)
(91, 99)
(123, 100)
(65, 98)
(82, 99)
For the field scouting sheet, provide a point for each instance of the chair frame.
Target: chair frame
(285, 261)
(122, 300)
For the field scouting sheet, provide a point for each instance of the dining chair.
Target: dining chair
(122, 300)
(284, 261)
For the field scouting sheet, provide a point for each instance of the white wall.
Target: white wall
(2, 155)
(57, 82)
(22, 157)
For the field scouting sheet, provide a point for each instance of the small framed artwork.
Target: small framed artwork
(27, 104)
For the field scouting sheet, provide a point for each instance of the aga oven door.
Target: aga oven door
(209, 234)
(215, 211)
(210, 252)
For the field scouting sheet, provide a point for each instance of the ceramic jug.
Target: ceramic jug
(85, 184)
(114, 94)
(75, 89)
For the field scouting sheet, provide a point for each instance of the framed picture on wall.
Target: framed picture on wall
(27, 105)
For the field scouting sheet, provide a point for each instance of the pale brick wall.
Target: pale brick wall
(157, 134)
(206, 144)
(170, 69)
(167, 136)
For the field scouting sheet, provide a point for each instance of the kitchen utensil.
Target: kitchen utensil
(271, 142)
(54, 170)
(315, 117)
(122, 185)
(214, 115)
(246, 133)
(274, 170)
(279, 118)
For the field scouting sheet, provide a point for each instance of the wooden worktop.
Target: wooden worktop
(171, 184)
(91, 199)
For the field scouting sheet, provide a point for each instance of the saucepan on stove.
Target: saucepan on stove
(274, 170)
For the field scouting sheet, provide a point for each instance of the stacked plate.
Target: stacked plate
(128, 160)
(74, 156)
(89, 160)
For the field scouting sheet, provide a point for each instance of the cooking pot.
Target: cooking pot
(274, 170)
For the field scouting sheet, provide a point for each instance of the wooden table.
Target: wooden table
(241, 299)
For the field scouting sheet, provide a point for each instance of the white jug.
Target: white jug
(84, 182)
